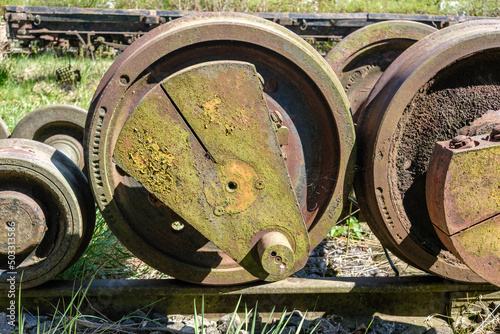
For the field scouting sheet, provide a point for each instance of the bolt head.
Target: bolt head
(259, 184)
(218, 211)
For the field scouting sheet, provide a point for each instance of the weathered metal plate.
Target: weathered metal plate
(436, 87)
(464, 203)
(58, 125)
(215, 141)
(360, 59)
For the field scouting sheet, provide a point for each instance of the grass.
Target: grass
(69, 319)
(105, 257)
(28, 82)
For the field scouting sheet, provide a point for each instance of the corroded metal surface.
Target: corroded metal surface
(302, 93)
(60, 126)
(360, 59)
(118, 28)
(4, 130)
(348, 297)
(25, 216)
(46, 209)
(464, 202)
(438, 86)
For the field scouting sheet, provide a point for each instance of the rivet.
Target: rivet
(259, 184)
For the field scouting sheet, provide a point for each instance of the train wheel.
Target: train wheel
(433, 90)
(179, 161)
(60, 126)
(360, 59)
(47, 212)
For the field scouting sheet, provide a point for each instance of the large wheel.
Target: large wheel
(362, 57)
(46, 211)
(430, 93)
(58, 125)
(302, 96)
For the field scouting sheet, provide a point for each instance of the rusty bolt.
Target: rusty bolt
(276, 118)
(218, 211)
(259, 184)
(495, 133)
(155, 201)
(270, 86)
(461, 141)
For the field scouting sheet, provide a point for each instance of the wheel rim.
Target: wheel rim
(390, 173)
(362, 57)
(60, 126)
(217, 37)
(44, 179)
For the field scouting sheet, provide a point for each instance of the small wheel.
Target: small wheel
(60, 126)
(437, 87)
(303, 97)
(47, 213)
(4, 130)
(360, 59)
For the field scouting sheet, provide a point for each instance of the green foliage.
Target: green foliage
(350, 228)
(32, 83)
(104, 257)
(5, 69)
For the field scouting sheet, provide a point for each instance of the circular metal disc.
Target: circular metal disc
(4, 130)
(38, 177)
(57, 125)
(298, 83)
(437, 87)
(360, 59)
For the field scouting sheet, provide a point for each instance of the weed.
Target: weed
(105, 257)
(31, 83)
(5, 69)
(353, 229)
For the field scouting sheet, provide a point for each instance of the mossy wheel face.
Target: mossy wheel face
(314, 143)
(430, 93)
(360, 59)
(46, 209)
(58, 125)
(4, 130)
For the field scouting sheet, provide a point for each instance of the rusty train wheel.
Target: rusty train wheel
(360, 59)
(46, 209)
(4, 130)
(300, 90)
(60, 126)
(433, 90)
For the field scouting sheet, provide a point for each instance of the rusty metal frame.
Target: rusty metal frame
(30, 22)
(401, 298)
